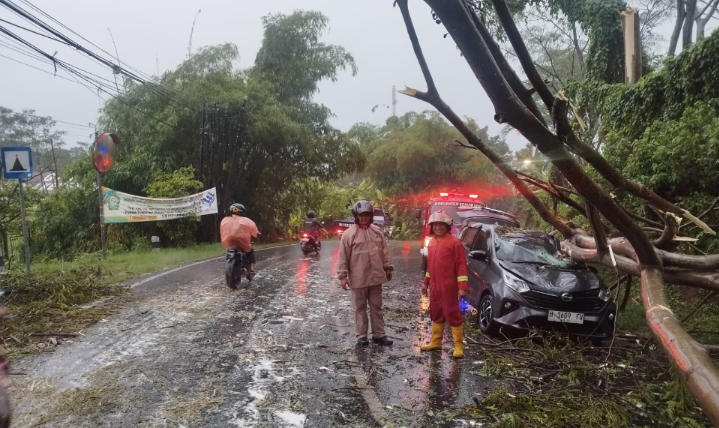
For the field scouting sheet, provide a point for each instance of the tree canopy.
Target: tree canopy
(286, 138)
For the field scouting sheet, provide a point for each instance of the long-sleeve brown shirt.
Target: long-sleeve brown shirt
(363, 257)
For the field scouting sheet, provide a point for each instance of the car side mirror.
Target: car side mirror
(418, 213)
(479, 255)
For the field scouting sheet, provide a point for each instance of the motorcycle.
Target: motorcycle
(309, 244)
(237, 265)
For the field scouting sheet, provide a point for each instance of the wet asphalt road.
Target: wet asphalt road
(186, 351)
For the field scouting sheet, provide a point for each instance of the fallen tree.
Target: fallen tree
(646, 252)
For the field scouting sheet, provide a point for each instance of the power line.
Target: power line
(37, 68)
(117, 69)
(74, 70)
(99, 88)
(24, 52)
(31, 31)
(73, 124)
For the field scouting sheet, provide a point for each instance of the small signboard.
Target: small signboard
(16, 163)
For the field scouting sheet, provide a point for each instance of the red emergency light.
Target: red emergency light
(474, 196)
(444, 194)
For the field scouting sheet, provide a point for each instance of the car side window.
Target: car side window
(469, 236)
(481, 243)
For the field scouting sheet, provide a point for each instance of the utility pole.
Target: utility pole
(24, 226)
(54, 161)
(102, 207)
(394, 101)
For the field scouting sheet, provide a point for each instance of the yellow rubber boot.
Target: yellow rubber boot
(436, 341)
(458, 336)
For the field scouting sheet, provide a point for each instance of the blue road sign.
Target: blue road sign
(16, 162)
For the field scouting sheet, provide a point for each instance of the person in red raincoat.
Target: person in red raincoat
(446, 279)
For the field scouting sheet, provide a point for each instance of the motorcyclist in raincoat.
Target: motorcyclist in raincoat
(313, 227)
(238, 230)
(446, 280)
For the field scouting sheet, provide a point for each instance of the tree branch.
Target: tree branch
(704, 280)
(669, 259)
(637, 217)
(689, 358)
(595, 222)
(432, 97)
(711, 207)
(515, 38)
(627, 291)
(524, 94)
(666, 240)
(551, 189)
(607, 171)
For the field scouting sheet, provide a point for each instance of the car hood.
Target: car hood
(541, 278)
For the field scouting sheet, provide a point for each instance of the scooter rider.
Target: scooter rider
(312, 227)
(238, 230)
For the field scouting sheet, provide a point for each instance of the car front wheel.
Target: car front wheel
(485, 316)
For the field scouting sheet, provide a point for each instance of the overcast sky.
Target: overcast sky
(155, 33)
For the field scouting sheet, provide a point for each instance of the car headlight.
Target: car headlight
(514, 283)
(605, 294)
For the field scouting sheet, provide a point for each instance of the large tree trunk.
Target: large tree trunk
(678, 24)
(691, 6)
(704, 16)
(688, 357)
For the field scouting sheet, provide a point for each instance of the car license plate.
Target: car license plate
(566, 317)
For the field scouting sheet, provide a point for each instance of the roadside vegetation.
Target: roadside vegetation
(661, 132)
(59, 300)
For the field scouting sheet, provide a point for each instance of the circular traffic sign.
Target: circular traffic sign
(104, 151)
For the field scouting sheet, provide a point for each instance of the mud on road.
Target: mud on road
(186, 351)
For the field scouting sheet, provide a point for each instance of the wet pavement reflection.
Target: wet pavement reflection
(280, 353)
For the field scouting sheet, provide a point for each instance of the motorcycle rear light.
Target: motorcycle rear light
(304, 236)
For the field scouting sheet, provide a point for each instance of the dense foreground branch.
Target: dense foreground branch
(688, 357)
(706, 280)
(559, 106)
(433, 98)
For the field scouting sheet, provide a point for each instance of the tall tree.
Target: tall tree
(286, 138)
(639, 254)
(417, 152)
(689, 13)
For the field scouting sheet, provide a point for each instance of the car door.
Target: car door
(477, 269)
(473, 276)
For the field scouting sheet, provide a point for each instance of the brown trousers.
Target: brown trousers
(360, 297)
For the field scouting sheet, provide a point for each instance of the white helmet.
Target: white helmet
(440, 216)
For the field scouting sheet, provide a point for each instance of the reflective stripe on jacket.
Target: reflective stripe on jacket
(447, 264)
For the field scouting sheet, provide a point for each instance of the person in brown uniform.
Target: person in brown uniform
(363, 265)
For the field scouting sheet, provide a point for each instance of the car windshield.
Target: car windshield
(523, 248)
(378, 212)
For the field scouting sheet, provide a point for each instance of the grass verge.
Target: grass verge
(47, 304)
